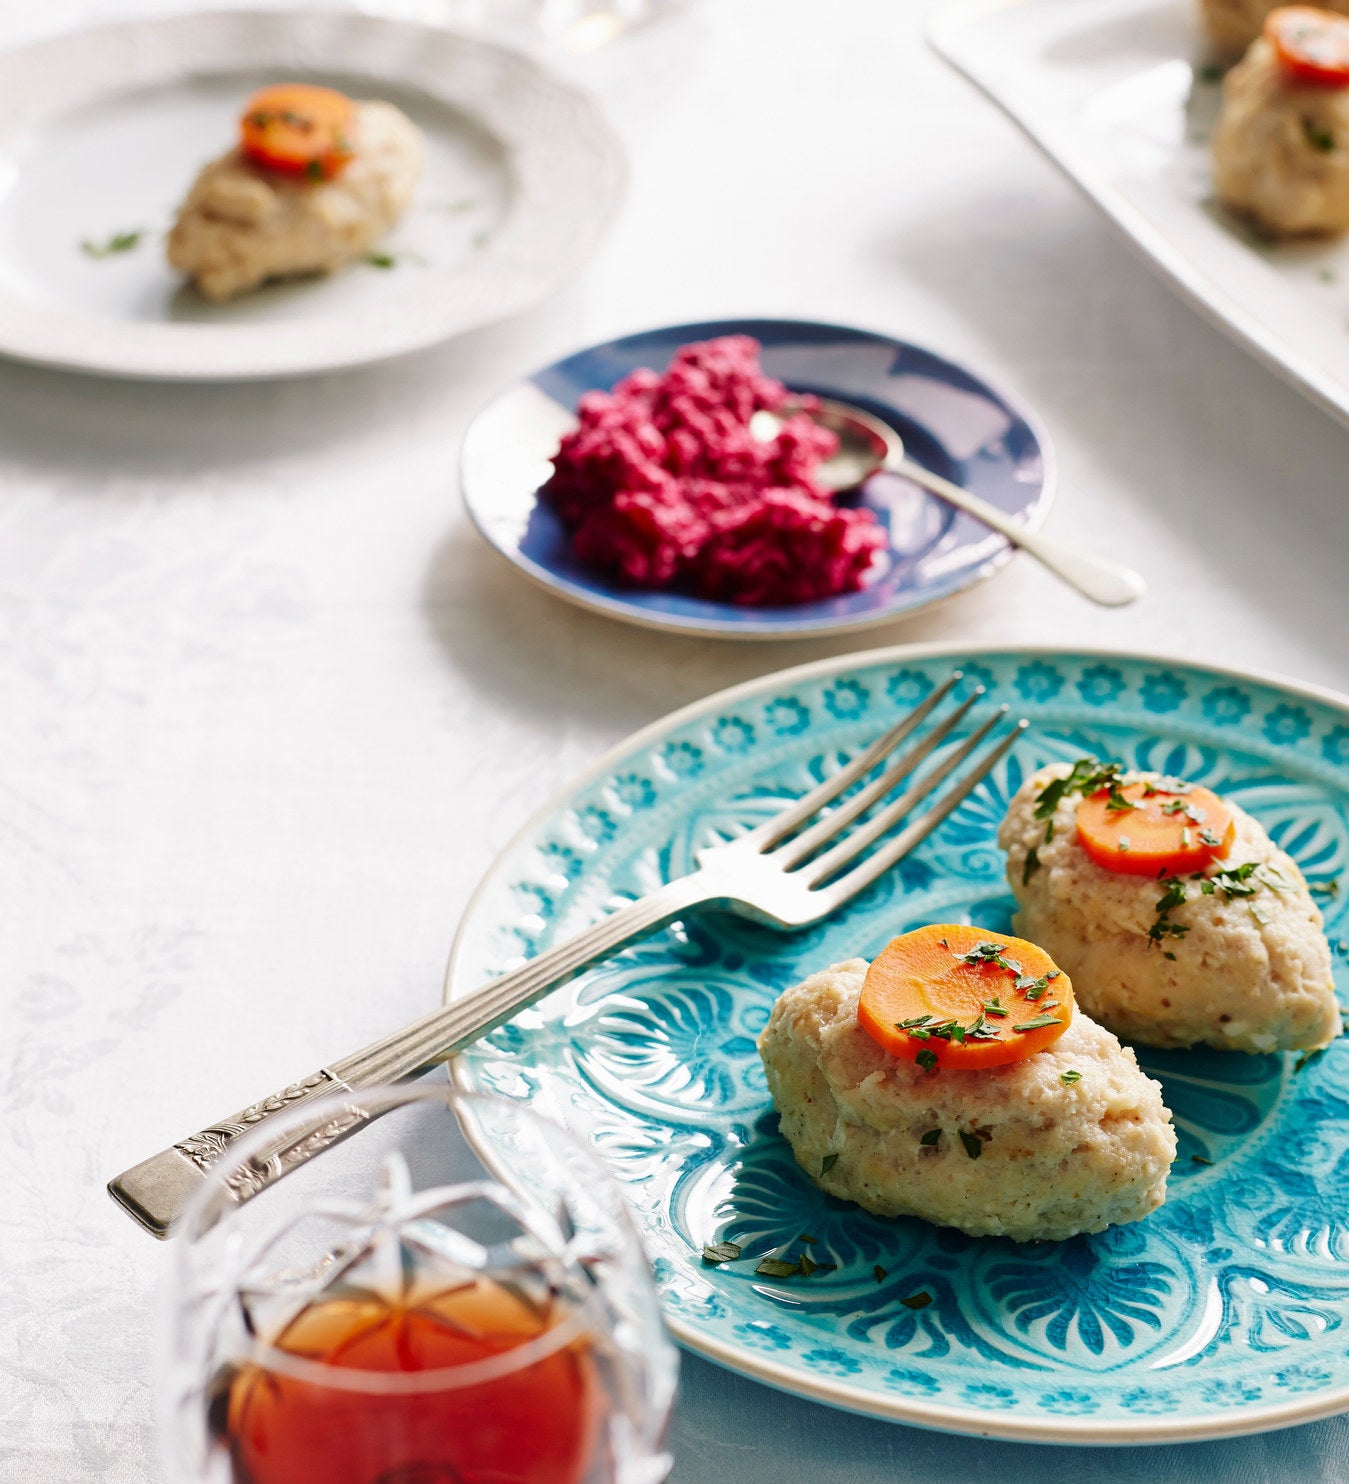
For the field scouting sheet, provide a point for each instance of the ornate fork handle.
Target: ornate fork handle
(155, 1191)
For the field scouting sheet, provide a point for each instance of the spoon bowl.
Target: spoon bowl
(866, 445)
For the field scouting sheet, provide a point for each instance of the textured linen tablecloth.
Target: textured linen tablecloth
(268, 708)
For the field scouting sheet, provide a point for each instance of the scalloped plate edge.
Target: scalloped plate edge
(838, 1394)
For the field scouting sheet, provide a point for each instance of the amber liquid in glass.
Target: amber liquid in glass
(536, 1424)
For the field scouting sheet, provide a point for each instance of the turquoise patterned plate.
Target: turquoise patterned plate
(1227, 1311)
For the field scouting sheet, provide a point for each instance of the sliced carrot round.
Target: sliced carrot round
(299, 129)
(1146, 829)
(1310, 45)
(961, 997)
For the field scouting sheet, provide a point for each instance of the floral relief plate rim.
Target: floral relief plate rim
(496, 123)
(1195, 1424)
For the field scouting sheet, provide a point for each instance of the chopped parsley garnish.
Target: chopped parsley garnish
(1039, 1022)
(1210, 72)
(1115, 802)
(980, 1030)
(879, 1272)
(314, 169)
(382, 260)
(804, 1264)
(1185, 838)
(927, 1059)
(1329, 888)
(1210, 839)
(828, 1163)
(992, 1007)
(919, 1300)
(1192, 812)
(716, 1252)
(1070, 1078)
(974, 1145)
(1198, 1159)
(1308, 1057)
(1032, 864)
(1088, 776)
(930, 1138)
(908, 1025)
(1166, 784)
(1123, 842)
(1234, 882)
(989, 953)
(119, 242)
(1035, 987)
(1230, 882)
(1320, 139)
(1173, 895)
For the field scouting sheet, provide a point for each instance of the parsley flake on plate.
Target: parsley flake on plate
(119, 242)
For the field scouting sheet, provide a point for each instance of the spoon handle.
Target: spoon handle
(1103, 581)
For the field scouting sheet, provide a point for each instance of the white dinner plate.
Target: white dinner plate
(102, 131)
(1120, 95)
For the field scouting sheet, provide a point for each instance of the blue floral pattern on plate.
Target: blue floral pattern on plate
(1226, 1308)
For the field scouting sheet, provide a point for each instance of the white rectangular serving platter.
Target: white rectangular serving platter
(1118, 94)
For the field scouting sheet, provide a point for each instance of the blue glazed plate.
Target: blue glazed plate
(950, 421)
(1226, 1311)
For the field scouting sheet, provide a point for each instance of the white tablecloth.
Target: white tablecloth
(268, 707)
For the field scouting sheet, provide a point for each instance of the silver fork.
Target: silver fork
(789, 872)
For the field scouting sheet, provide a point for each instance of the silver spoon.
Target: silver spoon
(866, 445)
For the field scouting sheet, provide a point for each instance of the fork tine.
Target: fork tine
(827, 828)
(783, 823)
(878, 864)
(851, 846)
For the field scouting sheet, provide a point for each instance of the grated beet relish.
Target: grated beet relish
(662, 485)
